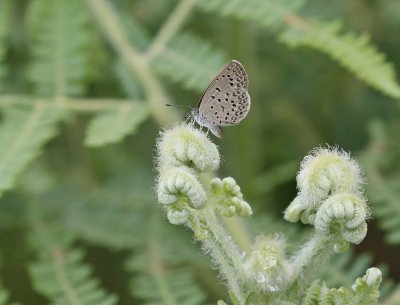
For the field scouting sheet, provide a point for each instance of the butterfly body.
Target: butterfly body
(226, 101)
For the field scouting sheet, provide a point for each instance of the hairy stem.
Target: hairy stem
(309, 259)
(239, 233)
(224, 252)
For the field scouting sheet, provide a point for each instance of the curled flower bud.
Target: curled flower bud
(266, 267)
(343, 215)
(187, 146)
(177, 217)
(367, 287)
(229, 198)
(373, 277)
(177, 184)
(327, 171)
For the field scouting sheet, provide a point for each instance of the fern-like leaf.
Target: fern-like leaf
(342, 269)
(136, 32)
(60, 52)
(355, 53)
(22, 133)
(60, 274)
(268, 13)
(189, 60)
(312, 294)
(383, 189)
(5, 12)
(128, 81)
(361, 292)
(113, 125)
(157, 285)
(108, 216)
(387, 209)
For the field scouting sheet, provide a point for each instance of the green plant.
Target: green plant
(330, 198)
(83, 88)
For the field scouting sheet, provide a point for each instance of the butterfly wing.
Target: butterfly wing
(233, 75)
(226, 100)
(229, 108)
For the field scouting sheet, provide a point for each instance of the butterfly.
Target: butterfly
(226, 100)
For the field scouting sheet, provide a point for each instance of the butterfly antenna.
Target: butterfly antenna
(169, 105)
(188, 116)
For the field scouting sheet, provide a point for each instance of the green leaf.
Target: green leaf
(190, 61)
(60, 48)
(386, 207)
(113, 125)
(267, 13)
(23, 132)
(363, 291)
(355, 53)
(343, 268)
(60, 273)
(383, 186)
(175, 287)
(128, 80)
(159, 279)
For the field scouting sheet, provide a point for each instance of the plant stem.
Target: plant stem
(239, 233)
(74, 104)
(224, 252)
(169, 28)
(108, 21)
(309, 259)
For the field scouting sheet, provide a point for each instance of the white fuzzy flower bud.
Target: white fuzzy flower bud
(327, 171)
(184, 145)
(266, 267)
(229, 197)
(343, 215)
(177, 217)
(180, 183)
(371, 279)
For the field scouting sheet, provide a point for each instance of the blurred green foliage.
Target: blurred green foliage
(83, 88)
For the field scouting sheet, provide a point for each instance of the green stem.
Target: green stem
(307, 261)
(224, 252)
(170, 28)
(239, 233)
(74, 104)
(108, 21)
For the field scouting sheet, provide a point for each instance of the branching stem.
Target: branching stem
(225, 253)
(169, 28)
(74, 104)
(108, 22)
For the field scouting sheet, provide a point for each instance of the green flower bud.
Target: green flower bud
(266, 268)
(185, 145)
(229, 198)
(343, 215)
(327, 171)
(178, 184)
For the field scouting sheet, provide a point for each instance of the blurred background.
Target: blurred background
(83, 88)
